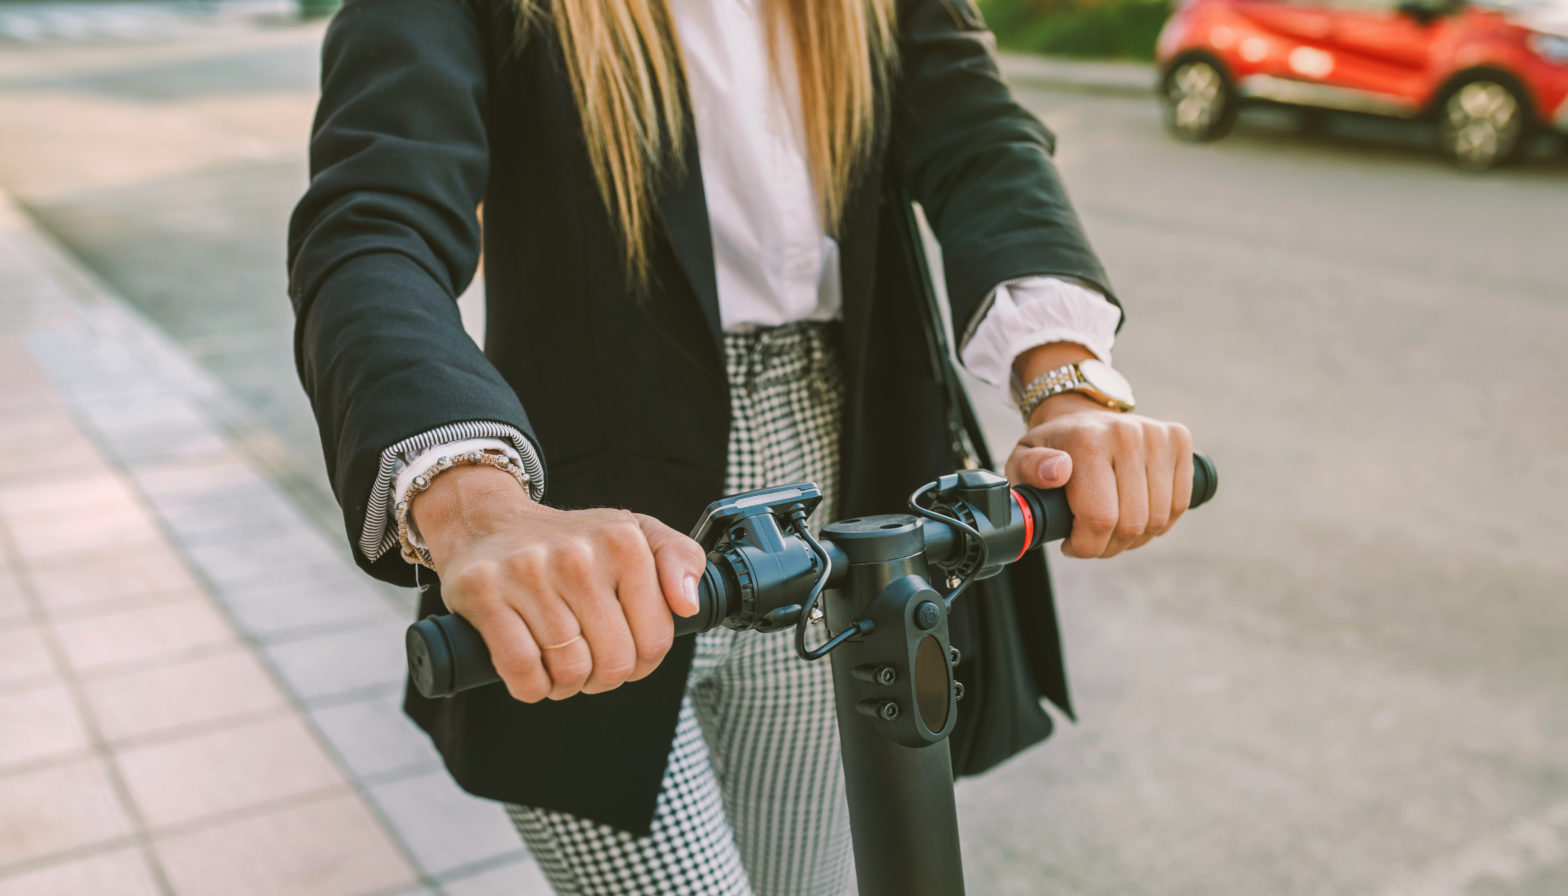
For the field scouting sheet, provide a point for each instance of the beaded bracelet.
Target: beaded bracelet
(419, 555)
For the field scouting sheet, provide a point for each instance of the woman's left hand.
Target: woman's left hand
(1128, 478)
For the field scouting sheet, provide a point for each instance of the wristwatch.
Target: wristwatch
(1095, 379)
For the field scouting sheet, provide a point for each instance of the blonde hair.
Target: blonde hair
(625, 66)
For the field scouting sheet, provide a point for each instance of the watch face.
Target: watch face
(1106, 380)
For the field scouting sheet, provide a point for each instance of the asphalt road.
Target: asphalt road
(1346, 676)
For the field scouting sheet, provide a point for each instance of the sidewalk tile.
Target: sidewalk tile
(110, 577)
(218, 478)
(38, 723)
(18, 373)
(13, 608)
(26, 501)
(306, 597)
(70, 457)
(520, 878)
(48, 426)
(199, 522)
(226, 685)
(340, 662)
(209, 774)
(175, 419)
(164, 631)
(123, 872)
(24, 657)
(247, 558)
(125, 528)
(372, 736)
(153, 449)
(56, 808)
(444, 827)
(331, 847)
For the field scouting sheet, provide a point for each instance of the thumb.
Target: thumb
(680, 563)
(1039, 467)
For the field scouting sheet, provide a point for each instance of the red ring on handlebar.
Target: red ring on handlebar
(1028, 523)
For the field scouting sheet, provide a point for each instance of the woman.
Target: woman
(696, 285)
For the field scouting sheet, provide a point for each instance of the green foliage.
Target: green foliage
(1092, 28)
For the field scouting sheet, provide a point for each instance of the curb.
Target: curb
(1102, 78)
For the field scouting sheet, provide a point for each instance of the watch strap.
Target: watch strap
(1053, 382)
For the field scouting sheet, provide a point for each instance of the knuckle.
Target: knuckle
(1127, 434)
(653, 648)
(515, 664)
(1080, 440)
(615, 670)
(526, 692)
(623, 536)
(693, 553)
(475, 579)
(1095, 522)
(574, 670)
(1157, 433)
(526, 565)
(576, 559)
(1129, 527)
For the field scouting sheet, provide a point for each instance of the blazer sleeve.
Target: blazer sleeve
(979, 162)
(385, 239)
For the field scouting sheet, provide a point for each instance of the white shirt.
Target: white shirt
(774, 262)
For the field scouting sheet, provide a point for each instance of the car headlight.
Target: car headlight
(1551, 47)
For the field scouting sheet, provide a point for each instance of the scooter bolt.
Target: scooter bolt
(958, 690)
(886, 675)
(927, 615)
(953, 656)
(886, 710)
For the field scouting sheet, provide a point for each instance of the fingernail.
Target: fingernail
(1051, 467)
(690, 587)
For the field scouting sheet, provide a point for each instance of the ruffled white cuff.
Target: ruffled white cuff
(1032, 311)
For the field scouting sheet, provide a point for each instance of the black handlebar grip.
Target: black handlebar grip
(447, 655)
(1054, 520)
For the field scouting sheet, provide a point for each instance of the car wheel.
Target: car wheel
(1482, 124)
(1200, 104)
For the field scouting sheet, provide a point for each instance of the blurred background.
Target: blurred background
(1346, 676)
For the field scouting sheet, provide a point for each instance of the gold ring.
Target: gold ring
(562, 644)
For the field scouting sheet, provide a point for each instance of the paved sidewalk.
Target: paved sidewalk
(198, 692)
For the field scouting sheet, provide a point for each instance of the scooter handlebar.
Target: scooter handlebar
(446, 654)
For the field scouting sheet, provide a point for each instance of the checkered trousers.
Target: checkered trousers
(752, 802)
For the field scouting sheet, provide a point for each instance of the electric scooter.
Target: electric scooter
(873, 581)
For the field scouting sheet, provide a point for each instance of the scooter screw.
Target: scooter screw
(953, 656)
(958, 690)
(888, 711)
(886, 675)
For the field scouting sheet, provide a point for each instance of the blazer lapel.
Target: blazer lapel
(682, 207)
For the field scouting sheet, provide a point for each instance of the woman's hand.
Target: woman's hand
(568, 601)
(1128, 477)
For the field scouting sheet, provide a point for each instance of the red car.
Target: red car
(1489, 72)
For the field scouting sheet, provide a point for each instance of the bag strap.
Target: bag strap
(963, 427)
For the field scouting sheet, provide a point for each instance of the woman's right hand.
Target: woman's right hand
(568, 601)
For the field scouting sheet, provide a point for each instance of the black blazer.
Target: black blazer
(428, 107)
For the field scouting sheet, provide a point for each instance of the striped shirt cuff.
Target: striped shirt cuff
(380, 532)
